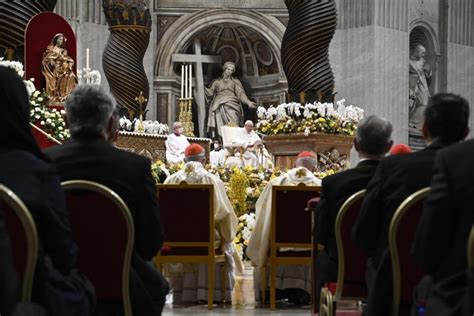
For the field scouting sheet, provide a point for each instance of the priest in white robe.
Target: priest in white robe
(288, 277)
(254, 153)
(176, 144)
(189, 281)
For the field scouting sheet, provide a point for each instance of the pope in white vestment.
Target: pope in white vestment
(254, 153)
(176, 144)
(257, 250)
(189, 281)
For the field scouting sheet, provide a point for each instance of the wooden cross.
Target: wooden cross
(198, 60)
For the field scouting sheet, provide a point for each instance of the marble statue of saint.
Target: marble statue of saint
(419, 93)
(57, 70)
(226, 95)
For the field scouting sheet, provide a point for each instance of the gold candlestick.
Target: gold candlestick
(186, 116)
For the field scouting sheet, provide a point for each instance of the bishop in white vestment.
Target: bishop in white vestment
(176, 144)
(189, 281)
(294, 277)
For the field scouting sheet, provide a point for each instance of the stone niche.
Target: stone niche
(250, 39)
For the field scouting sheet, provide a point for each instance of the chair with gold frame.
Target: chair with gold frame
(190, 230)
(470, 249)
(291, 227)
(470, 265)
(351, 282)
(401, 235)
(23, 236)
(92, 208)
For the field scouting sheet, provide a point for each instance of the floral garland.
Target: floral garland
(295, 118)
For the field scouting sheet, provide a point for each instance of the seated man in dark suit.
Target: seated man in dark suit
(89, 156)
(372, 142)
(443, 231)
(397, 176)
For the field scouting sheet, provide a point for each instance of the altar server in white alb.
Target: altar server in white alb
(254, 153)
(288, 277)
(217, 156)
(189, 281)
(176, 144)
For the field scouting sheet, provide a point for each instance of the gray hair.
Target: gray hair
(198, 157)
(307, 162)
(373, 135)
(89, 109)
(175, 124)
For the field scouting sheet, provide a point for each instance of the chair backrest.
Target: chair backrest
(352, 261)
(291, 222)
(103, 228)
(470, 249)
(23, 236)
(187, 212)
(400, 237)
(229, 134)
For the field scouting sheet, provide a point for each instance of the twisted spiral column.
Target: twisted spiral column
(130, 27)
(14, 16)
(305, 49)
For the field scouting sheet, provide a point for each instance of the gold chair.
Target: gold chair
(401, 236)
(190, 230)
(470, 249)
(92, 208)
(351, 283)
(23, 237)
(291, 227)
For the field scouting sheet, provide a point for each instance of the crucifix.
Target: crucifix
(198, 60)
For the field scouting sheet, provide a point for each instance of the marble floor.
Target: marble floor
(243, 303)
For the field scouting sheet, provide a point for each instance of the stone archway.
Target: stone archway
(187, 27)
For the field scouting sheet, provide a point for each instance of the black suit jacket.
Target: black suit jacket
(129, 175)
(9, 293)
(335, 190)
(37, 184)
(395, 179)
(441, 239)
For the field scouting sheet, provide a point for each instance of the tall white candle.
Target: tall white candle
(182, 81)
(186, 81)
(190, 81)
(87, 58)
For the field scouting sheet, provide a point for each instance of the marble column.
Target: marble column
(130, 28)
(369, 54)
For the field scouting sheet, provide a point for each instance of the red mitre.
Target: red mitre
(400, 149)
(193, 150)
(308, 154)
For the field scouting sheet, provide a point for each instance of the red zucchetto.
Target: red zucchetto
(193, 150)
(400, 149)
(308, 154)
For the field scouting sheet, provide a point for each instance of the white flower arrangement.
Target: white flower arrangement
(290, 118)
(244, 232)
(150, 127)
(88, 76)
(18, 67)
